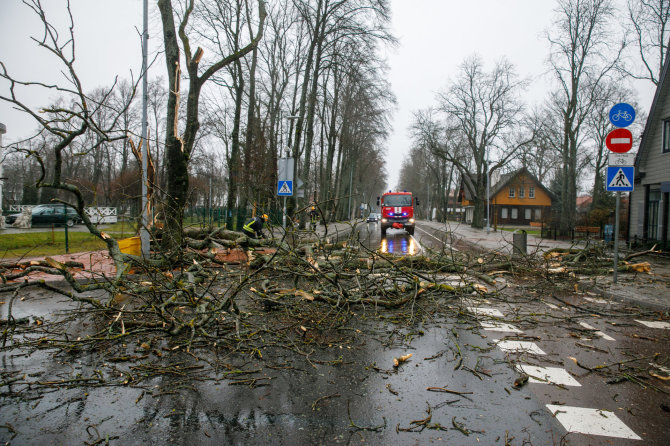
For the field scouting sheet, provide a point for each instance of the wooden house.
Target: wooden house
(649, 201)
(517, 198)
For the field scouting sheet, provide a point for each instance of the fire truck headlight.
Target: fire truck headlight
(384, 220)
(411, 220)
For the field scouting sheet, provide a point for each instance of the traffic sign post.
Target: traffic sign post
(621, 159)
(620, 172)
(620, 178)
(285, 188)
(622, 115)
(619, 140)
(285, 182)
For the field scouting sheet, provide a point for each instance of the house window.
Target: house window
(666, 136)
(522, 192)
(538, 214)
(653, 207)
(503, 213)
(527, 213)
(511, 192)
(531, 192)
(515, 213)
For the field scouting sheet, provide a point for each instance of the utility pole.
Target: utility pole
(3, 130)
(144, 233)
(351, 181)
(288, 155)
(488, 193)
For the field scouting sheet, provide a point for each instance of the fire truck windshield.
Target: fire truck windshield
(398, 200)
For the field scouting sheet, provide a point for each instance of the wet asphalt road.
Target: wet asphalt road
(610, 333)
(349, 393)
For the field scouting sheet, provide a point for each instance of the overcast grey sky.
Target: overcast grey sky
(435, 36)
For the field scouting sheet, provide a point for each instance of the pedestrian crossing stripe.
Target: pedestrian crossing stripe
(619, 180)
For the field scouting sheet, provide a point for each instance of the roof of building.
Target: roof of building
(583, 200)
(653, 111)
(503, 181)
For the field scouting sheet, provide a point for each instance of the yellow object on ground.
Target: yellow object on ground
(131, 246)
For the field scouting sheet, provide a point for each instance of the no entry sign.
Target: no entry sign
(619, 140)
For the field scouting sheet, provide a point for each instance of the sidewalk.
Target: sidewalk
(99, 264)
(650, 291)
(497, 240)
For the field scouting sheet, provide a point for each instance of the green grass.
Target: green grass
(121, 229)
(40, 244)
(529, 231)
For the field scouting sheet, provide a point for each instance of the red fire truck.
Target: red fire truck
(397, 209)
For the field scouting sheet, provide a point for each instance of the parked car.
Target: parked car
(49, 214)
(373, 217)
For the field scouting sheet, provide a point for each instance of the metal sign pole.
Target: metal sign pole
(616, 238)
(283, 218)
(621, 169)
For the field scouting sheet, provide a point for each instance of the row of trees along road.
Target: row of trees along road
(479, 124)
(234, 71)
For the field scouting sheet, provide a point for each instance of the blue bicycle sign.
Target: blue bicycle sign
(622, 115)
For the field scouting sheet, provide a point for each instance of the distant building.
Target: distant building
(649, 201)
(584, 203)
(517, 198)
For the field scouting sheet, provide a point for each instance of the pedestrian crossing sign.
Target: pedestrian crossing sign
(285, 188)
(620, 178)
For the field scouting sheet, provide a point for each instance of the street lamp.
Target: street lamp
(488, 193)
(3, 130)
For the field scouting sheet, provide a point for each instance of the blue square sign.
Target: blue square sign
(284, 188)
(620, 178)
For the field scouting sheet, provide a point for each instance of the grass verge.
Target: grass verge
(51, 243)
(529, 231)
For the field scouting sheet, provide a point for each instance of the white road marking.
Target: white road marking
(419, 248)
(595, 300)
(485, 311)
(519, 346)
(598, 332)
(498, 326)
(584, 420)
(554, 375)
(473, 303)
(655, 324)
(660, 367)
(432, 236)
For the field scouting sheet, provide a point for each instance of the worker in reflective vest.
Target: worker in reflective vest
(313, 218)
(254, 228)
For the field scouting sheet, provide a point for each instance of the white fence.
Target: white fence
(96, 214)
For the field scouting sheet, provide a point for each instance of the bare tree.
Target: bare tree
(77, 121)
(649, 19)
(179, 148)
(581, 59)
(487, 112)
(542, 158)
